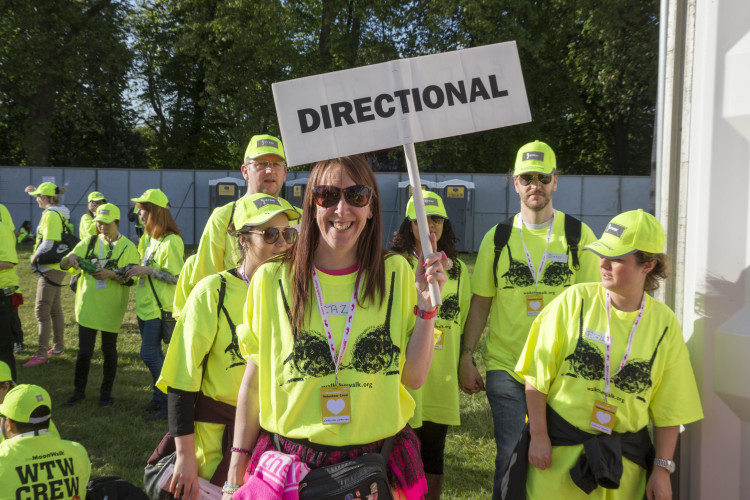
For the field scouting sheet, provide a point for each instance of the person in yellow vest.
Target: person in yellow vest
(437, 400)
(87, 226)
(25, 235)
(101, 298)
(162, 252)
(334, 332)
(601, 362)
(183, 287)
(35, 462)
(8, 289)
(203, 367)
(47, 308)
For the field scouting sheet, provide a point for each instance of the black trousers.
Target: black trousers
(86, 343)
(6, 334)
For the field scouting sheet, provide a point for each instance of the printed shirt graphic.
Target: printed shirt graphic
(217, 249)
(437, 400)
(183, 287)
(203, 330)
(43, 466)
(165, 254)
(8, 277)
(50, 228)
(292, 373)
(86, 227)
(508, 323)
(104, 308)
(565, 359)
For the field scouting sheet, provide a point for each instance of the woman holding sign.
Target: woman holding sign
(437, 399)
(333, 332)
(601, 361)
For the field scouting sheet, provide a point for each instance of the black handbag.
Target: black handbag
(153, 475)
(167, 321)
(61, 248)
(365, 475)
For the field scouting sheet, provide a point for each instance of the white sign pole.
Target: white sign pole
(424, 230)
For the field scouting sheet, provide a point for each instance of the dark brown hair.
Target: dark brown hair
(160, 222)
(658, 273)
(370, 253)
(403, 242)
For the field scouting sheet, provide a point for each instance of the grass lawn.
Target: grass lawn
(119, 442)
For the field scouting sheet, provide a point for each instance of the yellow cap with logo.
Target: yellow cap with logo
(264, 145)
(629, 232)
(97, 196)
(46, 189)
(433, 205)
(27, 403)
(535, 158)
(155, 196)
(259, 208)
(107, 213)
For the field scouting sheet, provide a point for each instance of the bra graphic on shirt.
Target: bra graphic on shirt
(373, 351)
(587, 362)
(519, 274)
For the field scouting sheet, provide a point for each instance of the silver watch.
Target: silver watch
(665, 464)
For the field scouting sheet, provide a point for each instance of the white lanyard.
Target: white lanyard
(536, 273)
(327, 325)
(608, 342)
(241, 272)
(102, 241)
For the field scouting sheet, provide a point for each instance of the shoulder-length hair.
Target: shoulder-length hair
(160, 222)
(403, 242)
(370, 253)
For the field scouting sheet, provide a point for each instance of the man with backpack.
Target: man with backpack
(523, 263)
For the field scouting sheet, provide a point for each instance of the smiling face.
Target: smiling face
(340, 225)
(624, 276)
(536, 196)
(264, 180)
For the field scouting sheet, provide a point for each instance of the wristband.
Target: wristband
(426, 314)
(229, 489)
(241, 450)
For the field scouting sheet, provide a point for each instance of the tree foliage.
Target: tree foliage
(185, 83)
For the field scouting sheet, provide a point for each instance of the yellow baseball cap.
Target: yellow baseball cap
(155, 196)
(535, 158)
(5, 374)
(107, 213)
(46, 189)
(259, 208)
(628, 233)
(433, 205)
(27, 403)
(264, 145)
(96, 196)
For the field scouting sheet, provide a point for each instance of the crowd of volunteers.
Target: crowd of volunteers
(296, 345)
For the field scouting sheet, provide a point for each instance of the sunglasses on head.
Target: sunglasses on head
(526, 179)
(328, 196)
(271, 234)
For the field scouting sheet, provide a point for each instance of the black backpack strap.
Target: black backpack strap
(573, 236)
(385, 451)
(91, 245)
(220, 307)
(231, 215)
(502, 235)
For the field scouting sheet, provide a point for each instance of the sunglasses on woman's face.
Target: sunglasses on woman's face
(271, 234)
(328, 196)
(526, 179)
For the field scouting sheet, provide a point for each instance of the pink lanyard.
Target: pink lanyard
(608, 342)
(327, 325)
(534, 273)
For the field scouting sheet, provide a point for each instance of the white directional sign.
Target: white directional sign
(401, 102)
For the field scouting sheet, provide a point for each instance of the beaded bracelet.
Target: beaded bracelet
(229, 489)
(241, 450)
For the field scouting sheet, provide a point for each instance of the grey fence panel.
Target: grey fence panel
(634, 191)
(568, 196)
(113, 184)
(601, 195)
(141, 180)
(491, 195)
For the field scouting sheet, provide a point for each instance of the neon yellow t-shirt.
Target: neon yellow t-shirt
(8, 277)
(43, 466)
(292, 372)
(217, 249)
(50, 228)
(564, 358)
(183, 287)
(509, 322)
(87, 226)
(204, 331)
(437, 400)
(101, 305)
(165, 254)
(6, 218)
